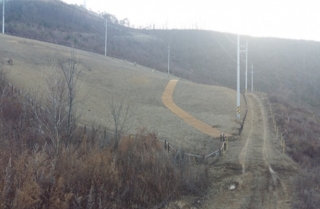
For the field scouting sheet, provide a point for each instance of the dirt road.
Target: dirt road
(254, 173)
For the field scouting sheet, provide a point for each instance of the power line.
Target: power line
(230, 39)
(3, 10)
(106, 38)
(225, 50)
(238, 78)
(251, 77)
(168, 60)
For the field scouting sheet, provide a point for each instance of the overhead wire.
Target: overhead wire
(230, 39)
(225, 50)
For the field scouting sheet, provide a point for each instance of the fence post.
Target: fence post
(224, 146)
(168, 147)
(165, 144)
(220, 153)
(85, 129)
(104, 134)
(227, 141)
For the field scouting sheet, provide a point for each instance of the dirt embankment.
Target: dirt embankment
(254, 173)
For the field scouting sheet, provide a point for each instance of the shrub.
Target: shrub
(139, 173)
(301, 130)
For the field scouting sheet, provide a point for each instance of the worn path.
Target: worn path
(254, 172)
(167, 99)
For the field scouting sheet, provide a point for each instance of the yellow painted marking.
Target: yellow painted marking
(191, 120)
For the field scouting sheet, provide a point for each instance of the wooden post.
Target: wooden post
(104, 134)
(165, 144)
(225, 146)
(168, 147)
(223, 152)
(85, 129)
(274, 122)
(227, 142)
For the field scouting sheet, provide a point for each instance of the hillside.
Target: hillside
(287, 70)
(105, 79)
(283, 67)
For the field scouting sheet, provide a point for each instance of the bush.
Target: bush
(308, 191)
(301, 130)
(139, 173)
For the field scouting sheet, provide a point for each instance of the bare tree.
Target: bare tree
(71, 75)
(122, 117)
(56, 114)
(4, 89)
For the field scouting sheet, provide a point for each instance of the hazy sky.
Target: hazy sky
(297, 19)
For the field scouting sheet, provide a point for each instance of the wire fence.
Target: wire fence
(278, 133)
(66, 45)
(245, 114)
(105, 135)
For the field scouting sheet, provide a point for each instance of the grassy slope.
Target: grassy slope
(283, 67)
(103, 79)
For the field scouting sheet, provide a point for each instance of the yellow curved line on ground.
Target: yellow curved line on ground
(167, 99)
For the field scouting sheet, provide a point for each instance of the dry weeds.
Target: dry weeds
(84, 174)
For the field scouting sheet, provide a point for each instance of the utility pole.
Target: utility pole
(251, 77)
(168, 60)
(247, 67)
(106, 38)
(85, 4)
(238, 78)
(3, 6)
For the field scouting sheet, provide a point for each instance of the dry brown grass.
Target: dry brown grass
(301, 133)
(140, 174)
(84, 174)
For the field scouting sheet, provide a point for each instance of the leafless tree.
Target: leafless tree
(71, 75)
(56, 114)
(4, 89)
(122, 117)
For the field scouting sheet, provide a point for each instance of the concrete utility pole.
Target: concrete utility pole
(106, 38)
(251, 77)
(247, 67)
(238, 78)
(3, 6)
(168, 60)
